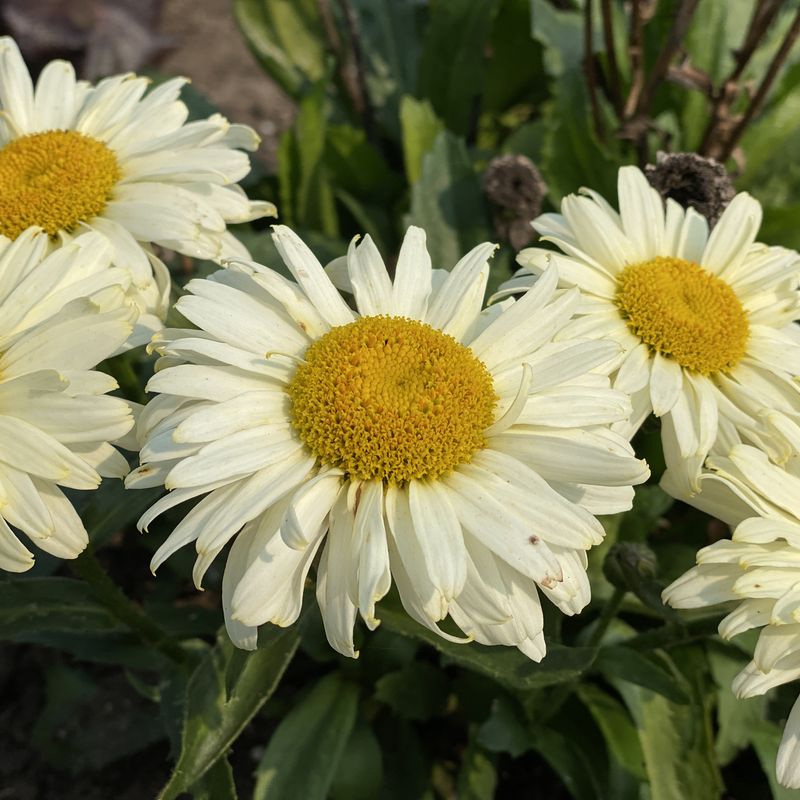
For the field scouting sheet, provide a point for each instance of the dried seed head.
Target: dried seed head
(515, 189)
(692, 181)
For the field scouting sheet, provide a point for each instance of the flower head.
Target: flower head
(461, 454)
(705, 321)
(121, 162)
(757, 569)
(60, 314)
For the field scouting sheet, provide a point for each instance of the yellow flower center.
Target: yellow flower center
(54, 180)
(391, 398)
(684, 312)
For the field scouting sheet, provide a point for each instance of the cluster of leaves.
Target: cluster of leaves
(401, 105)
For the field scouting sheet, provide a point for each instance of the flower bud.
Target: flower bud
(692, 181)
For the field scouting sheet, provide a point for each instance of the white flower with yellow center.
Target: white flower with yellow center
(461, 454)
(758, 569)
(128, 165)
(60, 315)
(705, 321)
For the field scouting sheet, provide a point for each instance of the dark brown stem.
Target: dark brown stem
(764, 13)
(590, 69)
(614, 85)
(680, 24)
(636, 47)
(760, 96)
(360, 93)
(719, 124)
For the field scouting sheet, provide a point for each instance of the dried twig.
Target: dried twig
(614, 84)
(763, 88)
(360, 95)
(636, 48)
(680, 24)
(720, 124)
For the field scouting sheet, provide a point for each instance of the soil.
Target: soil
(211, 50)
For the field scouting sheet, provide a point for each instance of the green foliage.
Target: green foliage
(451, 66)
(401, 105)
(420, 127)
(223, 694)
(506, 665)
(447, 202)
(418, 691)
(304, 753)
(33, 606)
(288, 39)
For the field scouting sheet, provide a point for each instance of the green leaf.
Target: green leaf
(390, 48)
(217, 783)
(766, 738)
(506, 730)
(360, 771)
(677, 740)
(736, 718)
(514, 72)
(112, 508)
(92, 720)
(420, 127)
(448, 203)
(635, 667)
(418, 691)
(504, 664)
(570, 763)
(303, 754)
(306, 194)
(452, 64)
(287, 37)
(406, 768)
(780, 225)
(31, 606)
(477, 778)
(617, 727)
(561, 33)
(213, 718)
(571, 154)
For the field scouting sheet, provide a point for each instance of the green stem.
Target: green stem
(608, 613)
(87, 567)
(561, 694)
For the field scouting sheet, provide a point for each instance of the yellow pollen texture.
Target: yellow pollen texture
(391, 398)
(684, 312)
(54, 180)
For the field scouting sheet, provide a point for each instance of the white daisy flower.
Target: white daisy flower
(758, 570)
(60, 315)
(125, 164)
(462, 455)
(705, 321)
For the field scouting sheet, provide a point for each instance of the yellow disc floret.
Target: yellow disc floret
(391, 398)
(54, 180)
(684, 312)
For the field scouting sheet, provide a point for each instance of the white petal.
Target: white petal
(370, 282)
(787, 764)
(666, 382)
(439, 536)
(308, 272)
(732, 236)
(338, 610)
(642, 213)
(456, 304)
(412, 277)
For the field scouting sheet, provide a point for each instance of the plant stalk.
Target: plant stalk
(87, 567)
